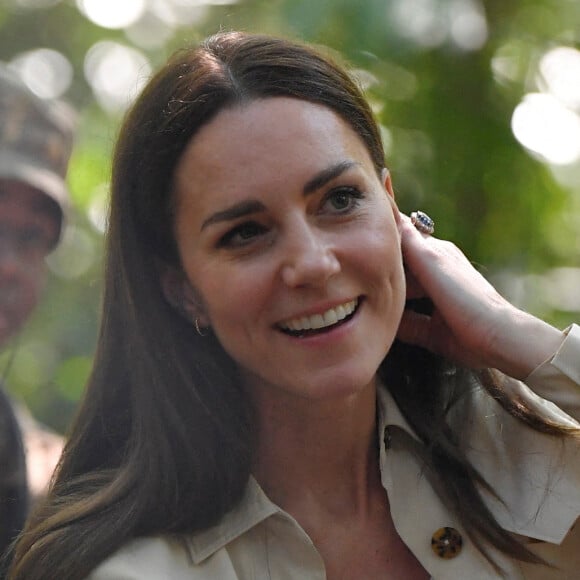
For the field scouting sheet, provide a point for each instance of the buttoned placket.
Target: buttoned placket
(417, 511)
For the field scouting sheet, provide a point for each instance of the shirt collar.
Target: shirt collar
(253, 508)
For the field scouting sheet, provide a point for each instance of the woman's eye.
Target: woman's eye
(343, 199)
(241, 235)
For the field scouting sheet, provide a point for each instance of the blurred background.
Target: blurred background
(479, 104)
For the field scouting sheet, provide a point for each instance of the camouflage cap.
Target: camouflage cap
(36, 138)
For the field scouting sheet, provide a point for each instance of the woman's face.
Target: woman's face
(289, 241)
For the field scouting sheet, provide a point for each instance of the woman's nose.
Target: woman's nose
(309, 259)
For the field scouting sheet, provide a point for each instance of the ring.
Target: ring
(423, 222)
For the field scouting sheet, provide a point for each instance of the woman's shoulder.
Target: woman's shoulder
(148, 559)
(165, 556)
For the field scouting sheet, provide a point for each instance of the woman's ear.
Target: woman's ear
(180, 294)
(386, 179)
(388, 185)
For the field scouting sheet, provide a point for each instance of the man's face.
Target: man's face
(27, 233)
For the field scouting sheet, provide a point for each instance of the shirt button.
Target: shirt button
(446, 543)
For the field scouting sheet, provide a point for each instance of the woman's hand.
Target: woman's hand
(471, 323)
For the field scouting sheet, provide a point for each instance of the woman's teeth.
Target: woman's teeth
(317, 321)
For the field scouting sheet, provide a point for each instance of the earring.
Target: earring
(198, 328)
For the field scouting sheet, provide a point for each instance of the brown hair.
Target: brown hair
(163, 440)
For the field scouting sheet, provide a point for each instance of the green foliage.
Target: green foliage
(446, 111)
(71, 374)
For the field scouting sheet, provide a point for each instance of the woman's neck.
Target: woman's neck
(318, 455)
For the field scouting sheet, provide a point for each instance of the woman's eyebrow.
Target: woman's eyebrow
(328, 174)
(236, 211)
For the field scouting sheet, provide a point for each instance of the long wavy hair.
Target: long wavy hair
(164, 438)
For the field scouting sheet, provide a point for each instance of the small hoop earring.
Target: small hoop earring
(198, 328)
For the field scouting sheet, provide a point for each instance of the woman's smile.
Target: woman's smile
(289, 240)
(308, 325)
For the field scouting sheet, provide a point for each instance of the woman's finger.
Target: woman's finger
(414, 288)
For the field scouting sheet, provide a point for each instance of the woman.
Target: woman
(272, 395)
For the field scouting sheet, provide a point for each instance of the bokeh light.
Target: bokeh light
(559, 74)
(509, 63)
(47, 73)
(116, 74)
(418, 20)
(75, 254)
(149, 32)
(112, 13)
(176, 14)
(546, 127)
(432, 23)
(98, 209)
(468, 26)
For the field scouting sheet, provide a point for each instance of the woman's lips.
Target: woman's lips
(322, 322)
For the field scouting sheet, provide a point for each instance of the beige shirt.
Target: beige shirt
(537, 476)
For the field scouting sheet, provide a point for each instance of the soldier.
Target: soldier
(35, 146)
